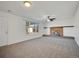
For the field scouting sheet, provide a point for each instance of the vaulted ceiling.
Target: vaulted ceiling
(61, 9)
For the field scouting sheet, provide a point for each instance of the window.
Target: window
(31, 27)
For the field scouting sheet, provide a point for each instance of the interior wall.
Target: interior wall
(60, 22)
(76, 24)
(17, 29)
(68, 31)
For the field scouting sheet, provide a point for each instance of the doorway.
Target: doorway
(3, 31)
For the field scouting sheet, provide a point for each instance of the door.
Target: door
(3, 31)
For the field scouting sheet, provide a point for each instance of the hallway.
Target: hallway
(42, 47)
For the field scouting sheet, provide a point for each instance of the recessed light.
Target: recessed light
(27, 3)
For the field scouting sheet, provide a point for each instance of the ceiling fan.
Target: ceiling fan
(51, 18)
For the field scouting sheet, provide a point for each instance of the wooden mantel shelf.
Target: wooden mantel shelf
(62, 26)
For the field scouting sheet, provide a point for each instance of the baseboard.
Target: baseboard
(68, 37)
(22, 41)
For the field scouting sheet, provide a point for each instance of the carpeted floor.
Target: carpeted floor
(44, 47)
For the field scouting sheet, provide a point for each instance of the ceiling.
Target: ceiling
(61, 9)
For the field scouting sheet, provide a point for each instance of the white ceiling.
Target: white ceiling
(61, 9)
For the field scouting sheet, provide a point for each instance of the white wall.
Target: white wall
(17, 29)
(47, 31)
(60, 22)
(68, 31)
(76, 24)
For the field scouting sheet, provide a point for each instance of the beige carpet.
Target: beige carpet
(44, 47)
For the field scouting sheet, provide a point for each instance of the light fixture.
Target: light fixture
(27, 3)
(51, 18)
